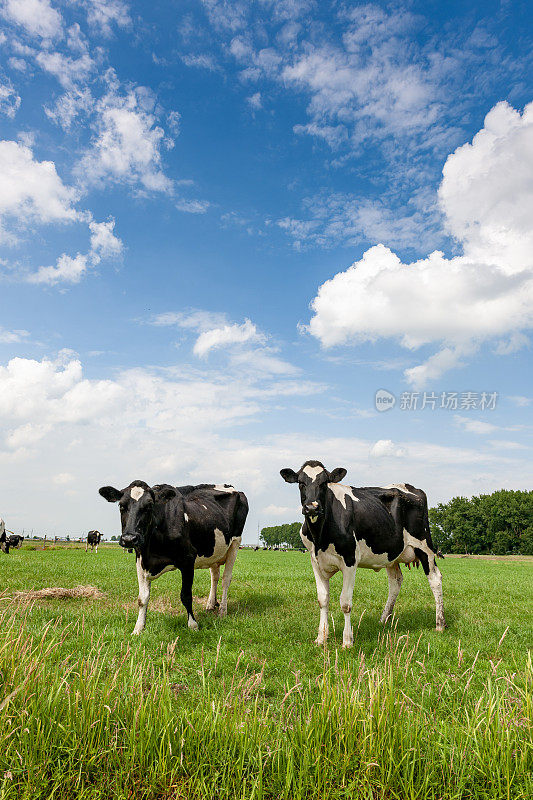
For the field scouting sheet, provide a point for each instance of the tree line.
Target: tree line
(286, 535)
(499, 523)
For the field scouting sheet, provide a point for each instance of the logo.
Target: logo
(384, 400)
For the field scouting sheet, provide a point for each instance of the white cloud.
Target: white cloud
(192, 206)
(69, 106)
(521, 401)
(475, 425)
(345, 219)
(31, 191)
(68, 71)
(195, 319)
(127, 144)
(12, 337)
(200, 60)
(70, 269)
(212, 339)
(104, 243)
(255, 101)
(180, 426)
(487, 293)
(37, 17)
(62, 478)
(103, 14)
(384, 448)
(9, 100)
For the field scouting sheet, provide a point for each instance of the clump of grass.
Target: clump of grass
(60, 593)
(119, 726)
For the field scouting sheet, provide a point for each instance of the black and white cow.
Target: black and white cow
(375, 528)
(93, 540)
(11, 542)
(185, 528)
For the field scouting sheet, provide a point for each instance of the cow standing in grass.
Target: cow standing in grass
(11, 542)
(375, 528)
(185, 528)
(93, 540)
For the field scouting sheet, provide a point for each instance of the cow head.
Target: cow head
(313, 479)
(137, 504)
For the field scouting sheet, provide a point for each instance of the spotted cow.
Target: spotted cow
(185, 528)
(93, 540)
(375, 528)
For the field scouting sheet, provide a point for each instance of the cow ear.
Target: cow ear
(166, 493)
(337, 475)
(110, 494)
(289, 475)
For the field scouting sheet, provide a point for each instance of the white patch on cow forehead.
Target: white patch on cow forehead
(186, 516)
(313, 472)
(137, 492)
(341, 492)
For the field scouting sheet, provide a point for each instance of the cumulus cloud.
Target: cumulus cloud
(31, 191)
(127, 144)
(69, 71)
(182, 425)
(70, 269)
(486, 196)
(37, 17)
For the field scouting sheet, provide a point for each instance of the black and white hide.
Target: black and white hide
(93, 540)
(375, 528)
(185, 528)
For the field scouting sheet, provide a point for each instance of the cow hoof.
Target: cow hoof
(320, 642)
(193, 625)
(210, 608)
(441, 628)
(222, 612)
(136, 633)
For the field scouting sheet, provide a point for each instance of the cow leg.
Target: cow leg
(144, 597)
(226, 578)
(435, 583)
(434, 577)
(187, 576)
(86, 546)
(348, 583)
(394, 574)
(322, 590)
(212, 602)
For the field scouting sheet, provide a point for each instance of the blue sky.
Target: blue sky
(225, 226)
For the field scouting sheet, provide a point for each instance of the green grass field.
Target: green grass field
(249, 707)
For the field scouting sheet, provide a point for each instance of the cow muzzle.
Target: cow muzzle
(312, 511)
(128, 542)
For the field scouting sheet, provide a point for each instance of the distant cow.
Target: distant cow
(185, 528)
(93, 540)
(14, 542)
(375, 528)
(11, 542)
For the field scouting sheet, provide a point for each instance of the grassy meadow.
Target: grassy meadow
(248, 707)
